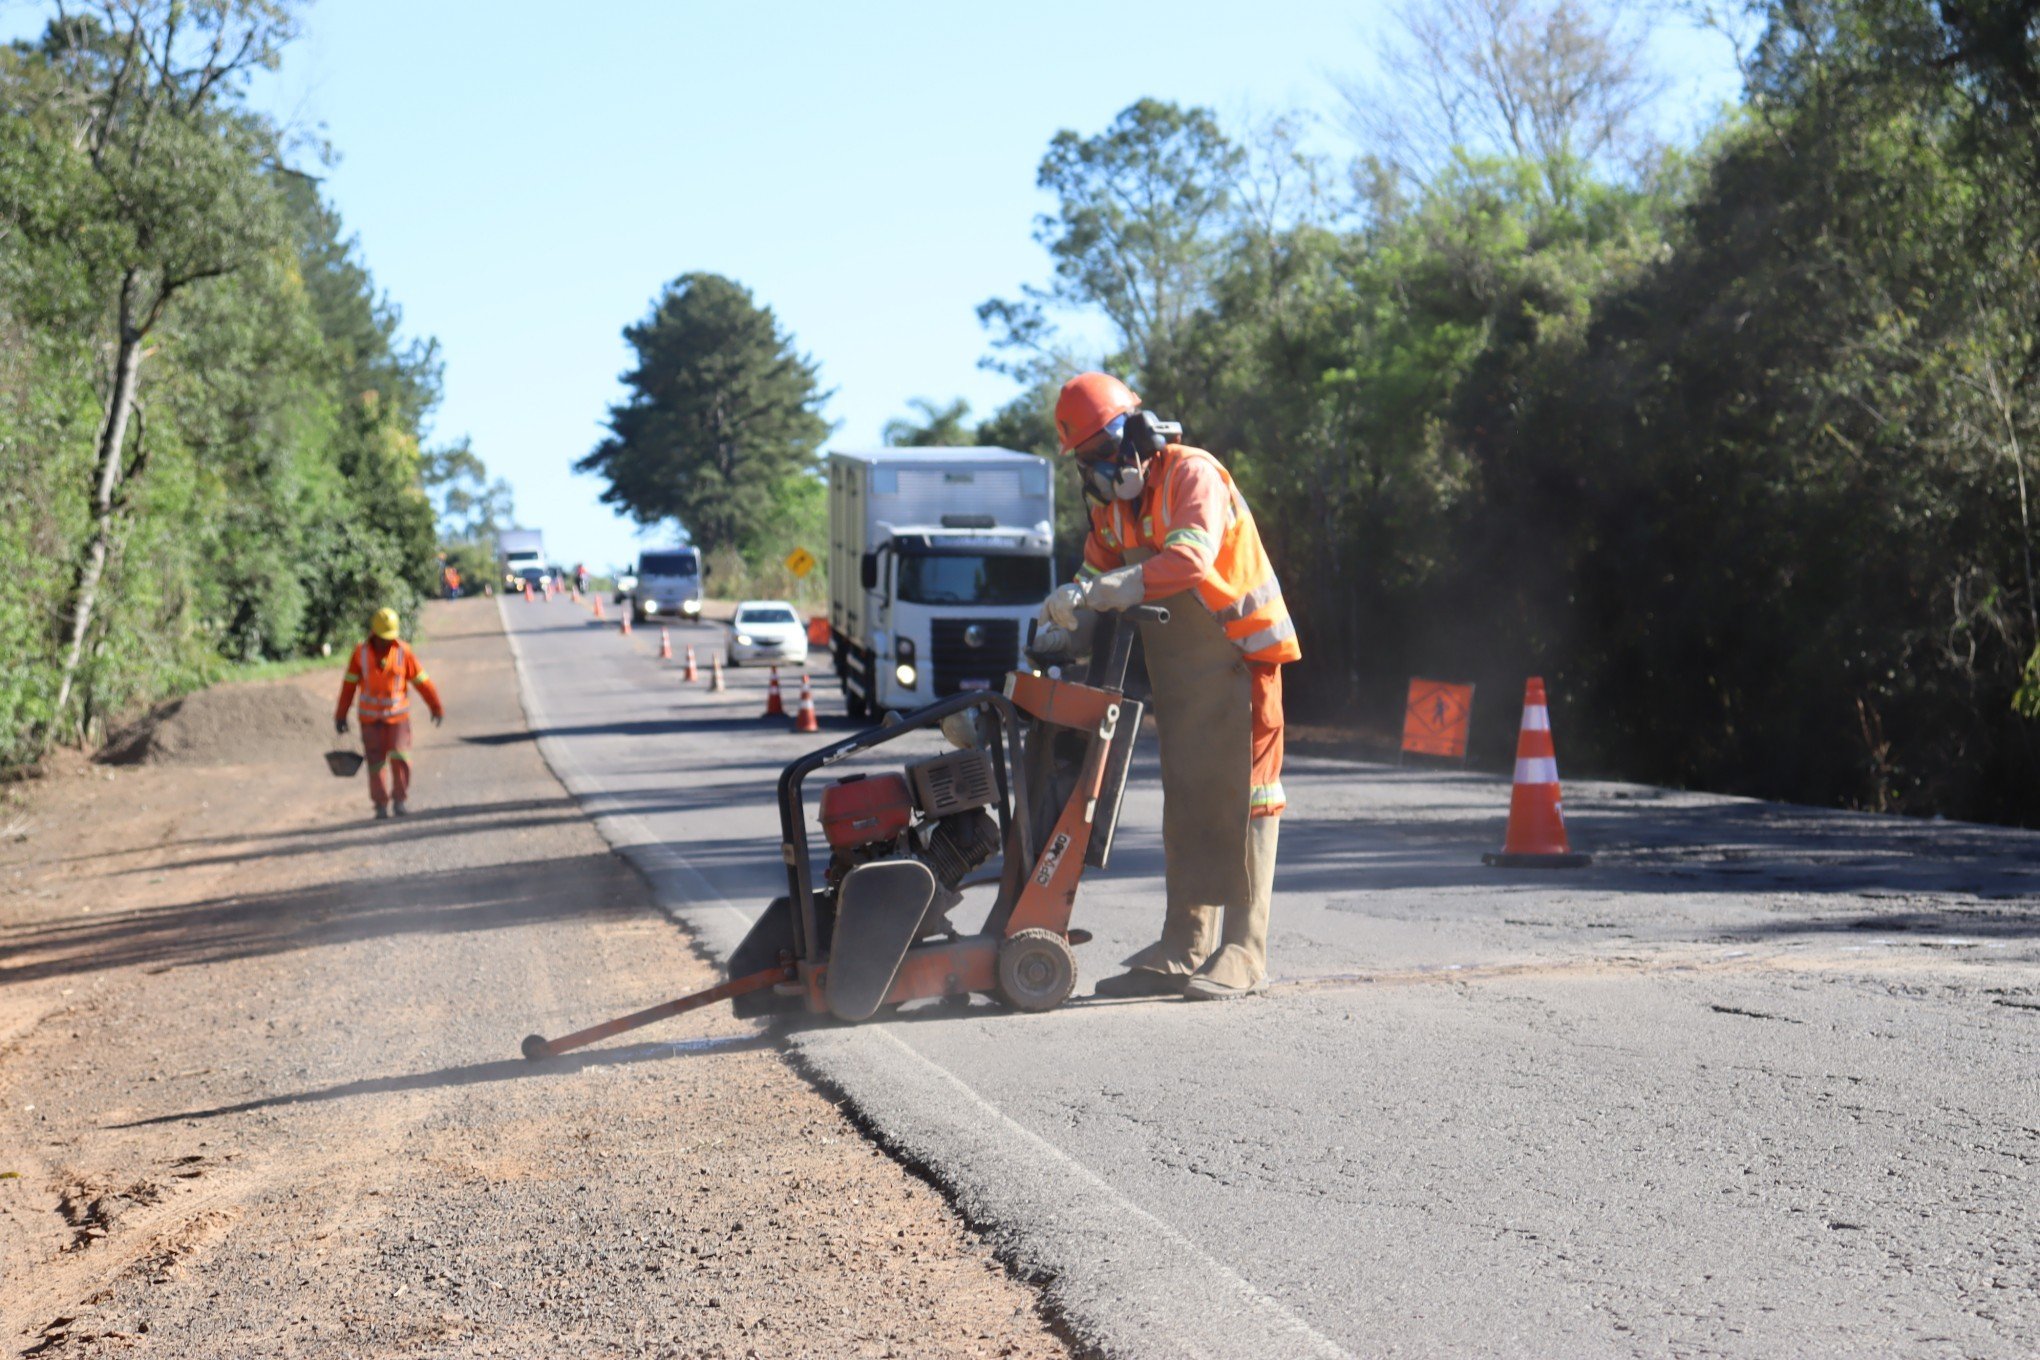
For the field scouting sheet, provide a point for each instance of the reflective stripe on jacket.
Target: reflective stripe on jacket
(1239, 587)
(385, 681)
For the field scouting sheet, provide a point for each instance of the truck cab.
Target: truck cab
(939, 560)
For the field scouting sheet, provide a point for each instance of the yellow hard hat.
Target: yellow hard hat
(384, 624)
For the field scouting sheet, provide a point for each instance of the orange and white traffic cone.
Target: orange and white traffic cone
(1536, 835)
(773, 708)
(804, 720)
(665, 644)
(715, 684)
(598, 606)
(691, 674)
(626, 623)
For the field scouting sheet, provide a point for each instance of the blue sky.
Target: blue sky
(522, 181)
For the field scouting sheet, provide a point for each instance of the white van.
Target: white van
(668, 584)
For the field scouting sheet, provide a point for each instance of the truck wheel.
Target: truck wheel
(1037, 970)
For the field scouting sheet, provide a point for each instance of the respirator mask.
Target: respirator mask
(1114, 463)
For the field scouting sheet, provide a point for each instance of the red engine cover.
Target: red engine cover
(866, 808)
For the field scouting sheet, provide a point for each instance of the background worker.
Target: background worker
(1169, 526)
(384, 668)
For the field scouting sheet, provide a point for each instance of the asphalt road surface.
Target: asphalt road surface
(1763, 1081)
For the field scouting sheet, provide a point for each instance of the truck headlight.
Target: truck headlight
(903, 652)
(906, 675)
(743, 639)
(651, 606)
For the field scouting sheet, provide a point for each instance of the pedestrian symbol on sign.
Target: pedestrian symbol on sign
(1436, 717)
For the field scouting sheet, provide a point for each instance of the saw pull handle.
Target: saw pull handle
(537, 1046)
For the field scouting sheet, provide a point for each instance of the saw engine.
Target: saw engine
(932, 812)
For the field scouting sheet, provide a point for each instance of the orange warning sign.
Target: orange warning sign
(1435, 721)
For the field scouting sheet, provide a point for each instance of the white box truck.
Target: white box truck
(523, 558)
(938, 560)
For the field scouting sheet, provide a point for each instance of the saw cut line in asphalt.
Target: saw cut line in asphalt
(1605, 1146)
(1253, 1323)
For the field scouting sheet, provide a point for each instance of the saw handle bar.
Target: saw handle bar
(1107, 669)
(1112, 675)
(793, 842)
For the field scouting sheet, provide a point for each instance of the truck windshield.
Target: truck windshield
(970, 578)
(668, 564)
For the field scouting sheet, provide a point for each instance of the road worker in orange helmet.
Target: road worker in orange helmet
(384, 668)
(1168, 526)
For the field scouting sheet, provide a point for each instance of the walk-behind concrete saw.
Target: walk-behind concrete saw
(1038, 784)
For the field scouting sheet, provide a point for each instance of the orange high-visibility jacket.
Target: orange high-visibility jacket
(1194, 518)
(385, 682)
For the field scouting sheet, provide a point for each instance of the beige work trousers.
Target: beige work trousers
(1219, 860)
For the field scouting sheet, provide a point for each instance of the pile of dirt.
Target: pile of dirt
(224, 725)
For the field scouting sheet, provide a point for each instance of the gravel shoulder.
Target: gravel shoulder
(259, 1090)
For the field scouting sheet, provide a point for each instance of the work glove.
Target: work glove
(1059, 610)
(339, 727)
(438, 718)
(1116, 590)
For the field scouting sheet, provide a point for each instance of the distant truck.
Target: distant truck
(523, 553)
(938, 560)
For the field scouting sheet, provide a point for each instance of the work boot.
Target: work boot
(1240, 967)
(1141, 982)
(382, 812)
(400, 808)
(1188, 936)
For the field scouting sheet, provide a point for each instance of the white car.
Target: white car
(767, 633)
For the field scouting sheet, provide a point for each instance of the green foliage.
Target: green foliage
(931, 426)
(721, 428)
(268, 495)
(1735, 454)
(1140, 228)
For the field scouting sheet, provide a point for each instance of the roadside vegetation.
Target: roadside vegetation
(211, 423)
(1731, 443)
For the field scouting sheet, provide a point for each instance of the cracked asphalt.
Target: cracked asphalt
(1763, 1081)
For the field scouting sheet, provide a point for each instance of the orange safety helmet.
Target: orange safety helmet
(1088, 404)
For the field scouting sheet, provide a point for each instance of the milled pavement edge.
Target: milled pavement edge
(1121, 1280)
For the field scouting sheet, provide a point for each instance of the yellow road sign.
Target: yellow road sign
(800, 561)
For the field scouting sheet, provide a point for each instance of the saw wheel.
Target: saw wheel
(1037, 970)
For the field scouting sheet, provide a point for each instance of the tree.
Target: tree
(1141, 227)
(938, 425)
(141, 126)
(1557, 86)
(722, 414)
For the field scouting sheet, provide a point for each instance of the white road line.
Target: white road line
(1192, 1272)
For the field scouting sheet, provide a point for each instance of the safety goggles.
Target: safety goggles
(1103, 447)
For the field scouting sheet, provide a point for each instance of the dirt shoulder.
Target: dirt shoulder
(260, 1092)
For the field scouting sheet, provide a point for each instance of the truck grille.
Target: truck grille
(955, 661)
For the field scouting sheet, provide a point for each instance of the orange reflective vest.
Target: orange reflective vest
(1240, 587)
(385, 681)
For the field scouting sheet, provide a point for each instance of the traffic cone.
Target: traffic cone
(804, 720)
(527, 592)
(773, 708)
(691, 674)
(626, 623)
(598, 606)
(665, 644)
(715, 684)
(1536, 835)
